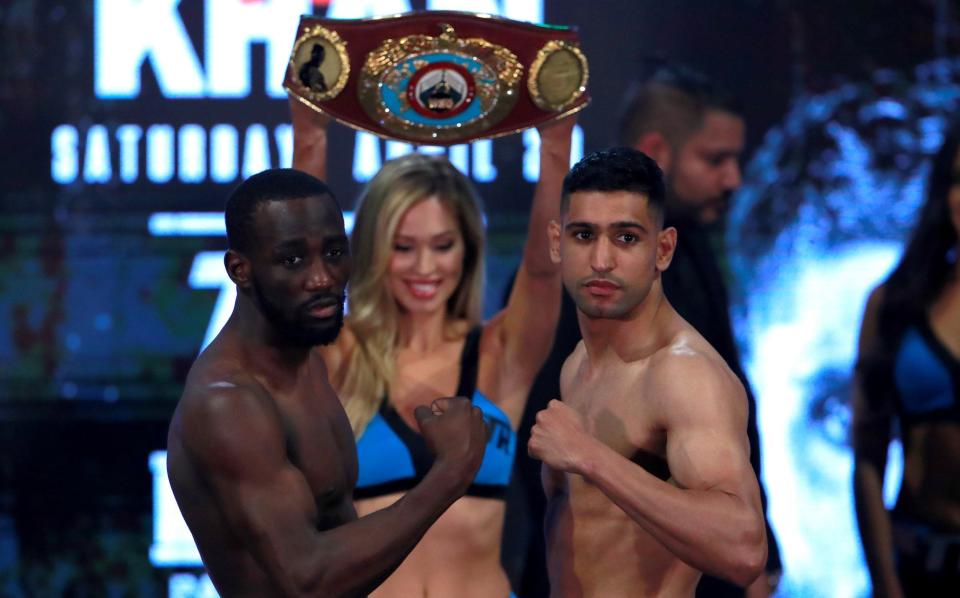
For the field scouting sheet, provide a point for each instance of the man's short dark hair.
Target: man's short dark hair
(673, 102)
(617, 169)
(276, 184)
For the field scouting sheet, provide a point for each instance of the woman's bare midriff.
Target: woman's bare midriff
(458, 556)
(931, 475)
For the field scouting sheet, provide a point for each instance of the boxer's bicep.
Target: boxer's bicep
(702, 458)
(707, 444)
(237, 446)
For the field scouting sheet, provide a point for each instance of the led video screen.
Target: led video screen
(125, 124)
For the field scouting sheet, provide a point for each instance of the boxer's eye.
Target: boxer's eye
(335, 253)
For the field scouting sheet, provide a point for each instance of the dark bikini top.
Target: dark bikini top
(927, 376)
(394, 458)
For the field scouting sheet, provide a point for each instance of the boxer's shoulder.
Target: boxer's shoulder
(688, 374)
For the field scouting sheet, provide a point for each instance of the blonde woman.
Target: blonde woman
(415, 333)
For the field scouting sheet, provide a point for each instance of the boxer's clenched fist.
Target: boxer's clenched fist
(558, 436)
(456, 434)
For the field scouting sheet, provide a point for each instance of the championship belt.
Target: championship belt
(439, 77)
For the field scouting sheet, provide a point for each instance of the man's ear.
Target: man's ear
(666, 244)
(655, 145)
(553, 232)
(238, 268)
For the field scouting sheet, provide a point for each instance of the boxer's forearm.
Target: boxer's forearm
(713, 531)
(360, 555)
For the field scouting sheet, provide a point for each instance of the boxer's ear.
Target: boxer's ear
(655, 145)
(238, 268)
(666, 244)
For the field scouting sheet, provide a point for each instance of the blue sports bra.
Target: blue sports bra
(927, 376)
(394, 458)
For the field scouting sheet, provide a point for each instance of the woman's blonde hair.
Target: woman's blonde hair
(374, 314)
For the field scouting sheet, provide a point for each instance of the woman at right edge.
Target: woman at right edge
(908, 373)
(414, 334)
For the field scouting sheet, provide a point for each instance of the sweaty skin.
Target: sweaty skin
(460, 554)
(702, 172)
(646, 458)
(261, 455)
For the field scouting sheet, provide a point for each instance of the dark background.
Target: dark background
(79, 417)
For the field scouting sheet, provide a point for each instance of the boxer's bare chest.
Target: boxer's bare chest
(618, 411)
(320, 441)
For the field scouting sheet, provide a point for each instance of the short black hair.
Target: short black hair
(617, 169)
(276, 184)
(672, 101)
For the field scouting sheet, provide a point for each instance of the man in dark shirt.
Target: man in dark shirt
(695, 132)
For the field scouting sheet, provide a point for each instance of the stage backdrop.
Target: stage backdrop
(124, 125)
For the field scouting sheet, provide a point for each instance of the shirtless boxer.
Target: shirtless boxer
(646, 459)
(261, 456)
